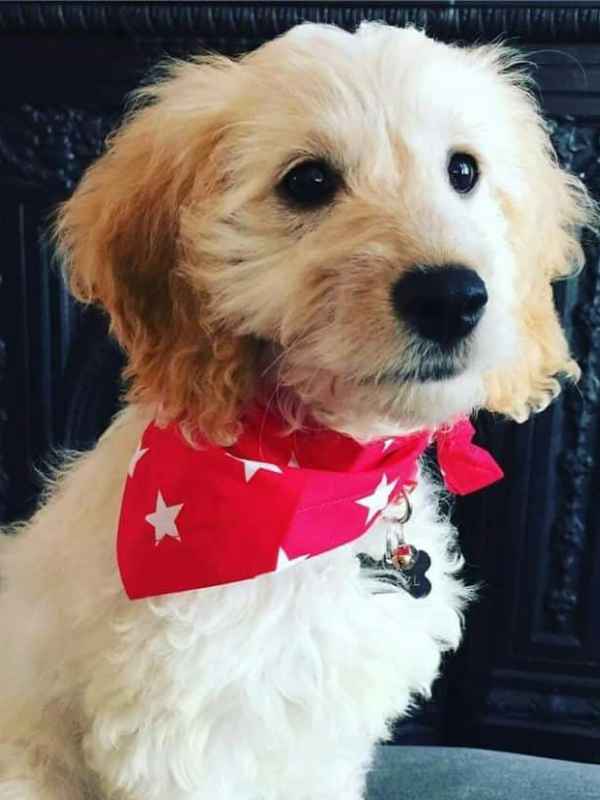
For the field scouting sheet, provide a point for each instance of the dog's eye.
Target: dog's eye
(463, 172)
(309, 184)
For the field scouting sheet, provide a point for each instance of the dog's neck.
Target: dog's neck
(364, 426)
(360, 411)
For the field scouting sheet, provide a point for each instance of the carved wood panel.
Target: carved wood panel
(43, 152)
(528, 678)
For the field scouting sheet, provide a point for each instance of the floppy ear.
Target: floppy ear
(121, 237)
(545, 224)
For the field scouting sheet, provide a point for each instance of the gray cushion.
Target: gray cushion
(441, 773)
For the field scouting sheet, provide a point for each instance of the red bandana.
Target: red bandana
(193, 517)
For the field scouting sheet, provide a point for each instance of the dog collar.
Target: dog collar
(195, 515)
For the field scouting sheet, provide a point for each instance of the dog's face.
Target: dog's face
(367, 224)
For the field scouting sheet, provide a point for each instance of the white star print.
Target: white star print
(379, 499)
(139, 453)
(252, 467)
(293, 462)
(387, 443)
(283, 561)
(163, 519)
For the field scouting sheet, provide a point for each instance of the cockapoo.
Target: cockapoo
(355, 233)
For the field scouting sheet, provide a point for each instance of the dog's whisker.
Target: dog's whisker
(284, 352)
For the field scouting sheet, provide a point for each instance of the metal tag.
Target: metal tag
(412, 578)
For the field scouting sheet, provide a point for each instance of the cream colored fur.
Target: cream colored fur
(277, 688)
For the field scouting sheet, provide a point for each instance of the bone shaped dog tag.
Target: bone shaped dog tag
(416, 582)
(405, 567)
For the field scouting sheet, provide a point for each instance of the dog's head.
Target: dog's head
(366, 225)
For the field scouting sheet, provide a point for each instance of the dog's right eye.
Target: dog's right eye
(310, 184)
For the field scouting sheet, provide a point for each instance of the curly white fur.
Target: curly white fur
(269, 689)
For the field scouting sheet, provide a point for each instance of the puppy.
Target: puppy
(359, 232)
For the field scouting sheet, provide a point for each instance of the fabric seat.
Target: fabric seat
(441, 773)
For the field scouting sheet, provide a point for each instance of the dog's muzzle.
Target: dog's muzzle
(441, 304)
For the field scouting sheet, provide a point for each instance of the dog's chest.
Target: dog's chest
(309, 660)
(315, 605)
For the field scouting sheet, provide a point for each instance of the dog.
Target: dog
(357, 232)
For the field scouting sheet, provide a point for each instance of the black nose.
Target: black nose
(442, 304)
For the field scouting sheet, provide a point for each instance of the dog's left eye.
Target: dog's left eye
(463, 172)
(310, 184)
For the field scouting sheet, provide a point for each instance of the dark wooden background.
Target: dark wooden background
(528, 677)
